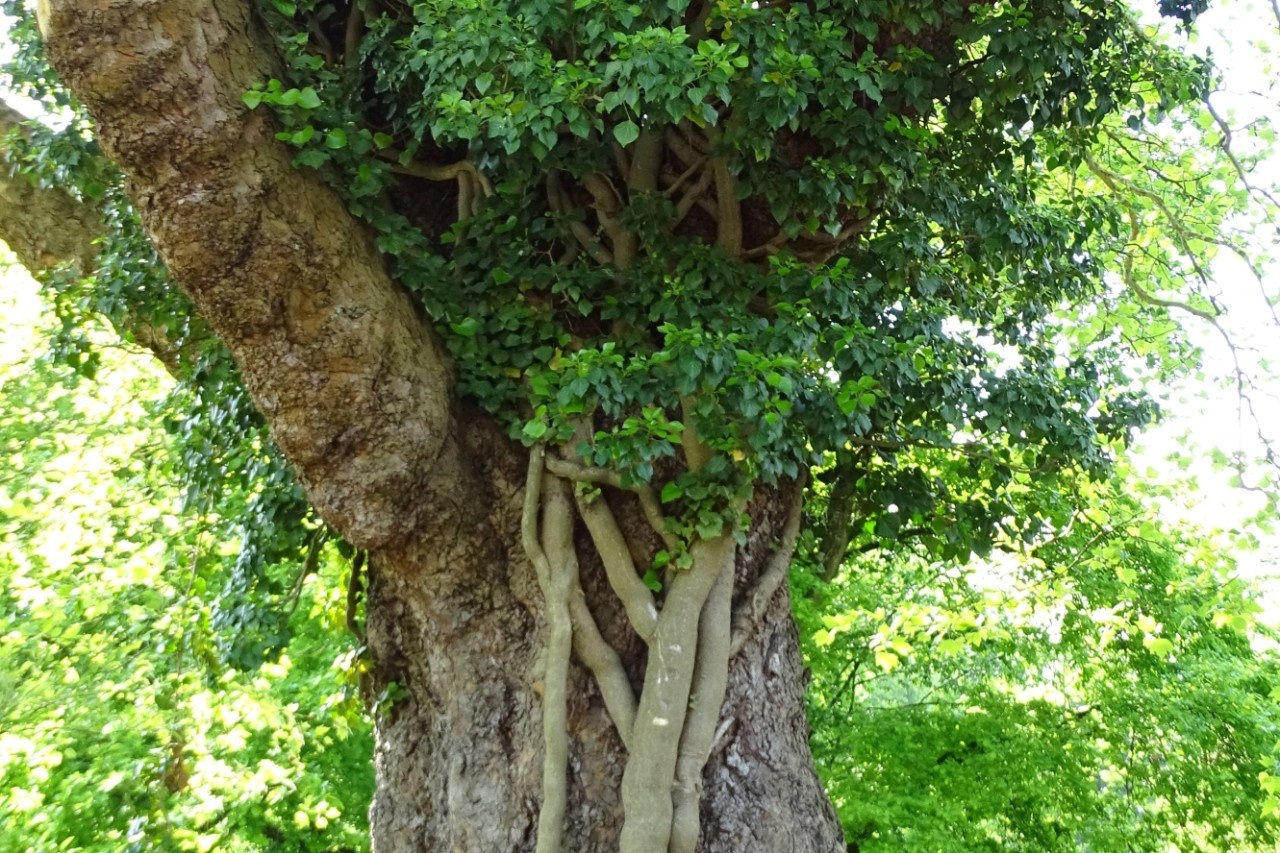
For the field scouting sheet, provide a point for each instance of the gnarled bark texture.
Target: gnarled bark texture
(358, 395)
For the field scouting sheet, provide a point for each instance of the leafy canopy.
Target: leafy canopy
(802, 228)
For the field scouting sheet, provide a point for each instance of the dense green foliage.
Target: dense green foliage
(930, 139)
(122, 726)
(1097, 692)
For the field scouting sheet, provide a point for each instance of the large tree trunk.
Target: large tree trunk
(456, 620)
(358, 397)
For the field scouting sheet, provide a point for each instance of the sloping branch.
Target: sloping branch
(354, 386)
(44, 226)
(48, 228)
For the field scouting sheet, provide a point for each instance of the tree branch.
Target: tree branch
(729, 211)
(354, 385)
(649, 503)
(556, 565)
(664, 701)
(706, 697)
(605, 665)
(611, 544)
(560, 206)
(607, 205)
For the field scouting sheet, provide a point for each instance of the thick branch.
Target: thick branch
(608, 204)
(354, 386)
(556, 564)
(605, 665)
(646, 162)
(44, 226)
(47, 228)
(611, 543)
(560, 205)
(664, 701)
(710, 679)
(728, 211)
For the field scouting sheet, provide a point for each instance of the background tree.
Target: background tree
(122, 724)
(1096, 692)
(681, 254)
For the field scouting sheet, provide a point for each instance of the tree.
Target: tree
(553, 307)
(1103, 678)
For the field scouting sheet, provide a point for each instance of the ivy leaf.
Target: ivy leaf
(308, 99)
(466, 328)
(627, 132)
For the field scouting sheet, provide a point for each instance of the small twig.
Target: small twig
(309, 566)
(1235, 162)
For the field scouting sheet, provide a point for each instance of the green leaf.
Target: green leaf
(671, 491)
(467, 328)
(627, 132)
(652, 580)
(308, 99)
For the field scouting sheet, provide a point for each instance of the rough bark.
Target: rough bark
(357, 393)
(337, 359)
